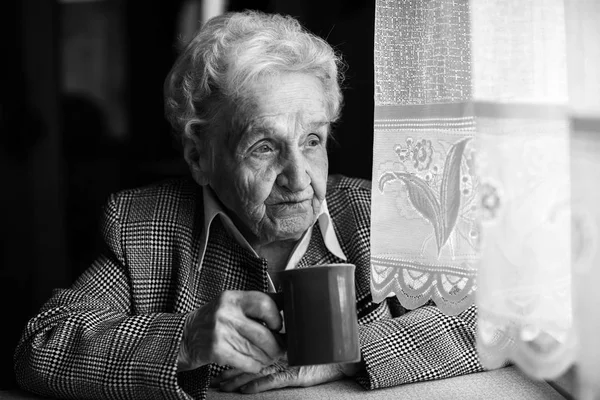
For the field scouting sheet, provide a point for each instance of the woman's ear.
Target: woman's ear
(197, 154)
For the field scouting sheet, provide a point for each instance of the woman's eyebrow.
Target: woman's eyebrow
(264, 128)
(252, 132)
(259, 126)
(257, 130)
(315, 125)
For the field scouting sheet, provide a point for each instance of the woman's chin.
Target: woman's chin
(290, 228)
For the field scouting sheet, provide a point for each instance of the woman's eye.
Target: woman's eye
(313, 141)
(263, 149)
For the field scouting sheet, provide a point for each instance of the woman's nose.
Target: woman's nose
(294, 175)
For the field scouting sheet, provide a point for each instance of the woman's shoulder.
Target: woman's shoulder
(157, 200)
(179, 187)
(349, 205)
(344, 191)
(343, 183)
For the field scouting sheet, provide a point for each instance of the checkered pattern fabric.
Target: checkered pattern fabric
(115, 333)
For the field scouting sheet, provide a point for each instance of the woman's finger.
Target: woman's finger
(233, 384)
(232, 380)
(277, 380)
(239, 361)
(264, 344)
(260, 306)
(231, 373)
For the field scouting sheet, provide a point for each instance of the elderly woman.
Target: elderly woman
(177, 297)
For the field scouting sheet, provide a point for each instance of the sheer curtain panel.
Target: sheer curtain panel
(486, 173)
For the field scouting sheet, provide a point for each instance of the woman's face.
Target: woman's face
(272, 175)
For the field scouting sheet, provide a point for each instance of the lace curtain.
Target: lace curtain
(486, 173)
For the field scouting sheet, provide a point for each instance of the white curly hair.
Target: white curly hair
(230, 53)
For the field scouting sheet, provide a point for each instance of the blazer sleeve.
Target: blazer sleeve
(87, 343)
(398, 346)
(419, 345)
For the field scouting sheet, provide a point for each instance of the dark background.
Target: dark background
(81, 116)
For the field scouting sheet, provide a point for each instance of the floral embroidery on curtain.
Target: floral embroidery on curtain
(485, 173)
(425, 236)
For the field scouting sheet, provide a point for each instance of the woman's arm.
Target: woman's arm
(422, 344)
(87, 343)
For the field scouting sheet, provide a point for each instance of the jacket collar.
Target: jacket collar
(213, 208)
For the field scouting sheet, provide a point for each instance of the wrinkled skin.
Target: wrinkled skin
(235, 329)
(279, 375)
(271, 176)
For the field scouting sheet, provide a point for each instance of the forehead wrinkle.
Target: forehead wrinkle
(278, 124)
(272, 125)
(315, 125)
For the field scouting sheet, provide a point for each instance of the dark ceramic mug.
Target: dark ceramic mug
(319, 312)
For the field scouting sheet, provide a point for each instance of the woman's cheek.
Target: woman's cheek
(319, 171)
(258, 185)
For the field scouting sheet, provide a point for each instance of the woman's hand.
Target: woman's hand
(235, 329)
(279, 375)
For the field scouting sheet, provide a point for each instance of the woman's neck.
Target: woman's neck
(277, 255)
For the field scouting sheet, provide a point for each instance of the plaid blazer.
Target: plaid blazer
(115, 333)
